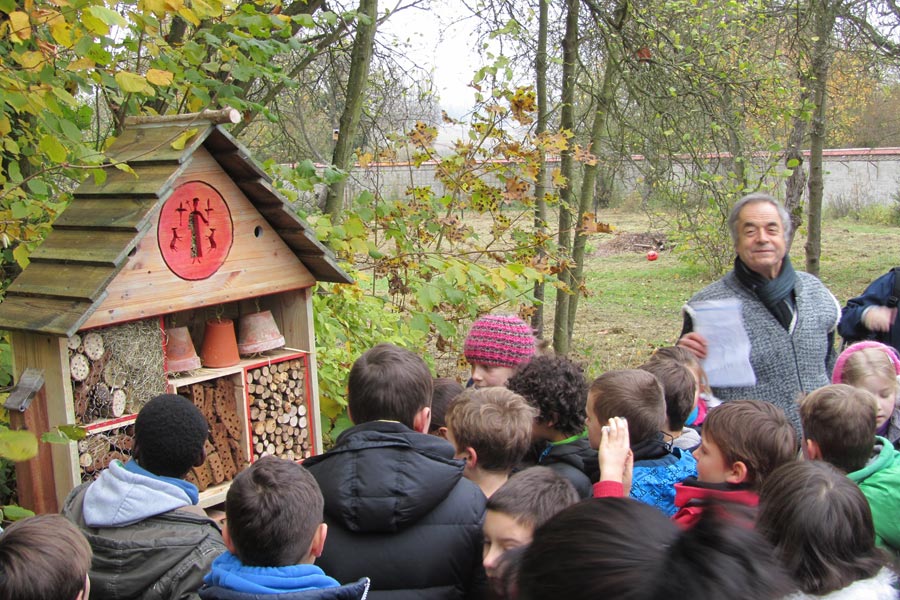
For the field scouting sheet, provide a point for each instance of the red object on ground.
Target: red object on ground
(652, 255)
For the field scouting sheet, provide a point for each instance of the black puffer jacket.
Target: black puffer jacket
(576, 461)
(399, 512)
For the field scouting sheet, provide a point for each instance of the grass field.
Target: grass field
(635, 304)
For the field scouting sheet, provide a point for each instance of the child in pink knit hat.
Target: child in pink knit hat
(495, 346)
(875, 367)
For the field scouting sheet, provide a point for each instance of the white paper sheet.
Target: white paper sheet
(727, 362)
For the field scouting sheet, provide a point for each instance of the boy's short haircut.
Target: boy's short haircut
(388, 383)
(496, 422)
(273, 510)
(557, 388)
(531, 497)
(679, 387)
(754, 432)
(445, 390)
(631, 393)
(169, 434)
(43, 558)
(841, 420)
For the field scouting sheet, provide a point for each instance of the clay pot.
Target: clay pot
(180, 352)
(219, 344)
(258, 333)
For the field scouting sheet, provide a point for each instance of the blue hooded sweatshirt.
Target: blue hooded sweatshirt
(230, 579)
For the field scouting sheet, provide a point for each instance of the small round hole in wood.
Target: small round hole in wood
(258, 231)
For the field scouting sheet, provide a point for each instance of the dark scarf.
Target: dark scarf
(775, 294)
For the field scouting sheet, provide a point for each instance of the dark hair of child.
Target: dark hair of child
(557, 388)
(43, 558)
(532, 496)
(621, 548)
(754, 432)
(679, 387)
(169, 434)
(841, 420)
(633, 394)
(445, 390)
(273, 510)
(496, 422)
(821, 526)
(388, 382)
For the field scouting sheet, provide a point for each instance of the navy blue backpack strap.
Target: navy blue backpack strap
(894, 298)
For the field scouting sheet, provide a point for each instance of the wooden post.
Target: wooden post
(34, 481)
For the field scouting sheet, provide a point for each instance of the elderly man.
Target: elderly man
(790, 317)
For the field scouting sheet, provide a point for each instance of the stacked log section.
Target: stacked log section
(279, 419)
(225, 454)
(97, 450)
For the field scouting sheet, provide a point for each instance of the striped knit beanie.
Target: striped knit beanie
(499, 341)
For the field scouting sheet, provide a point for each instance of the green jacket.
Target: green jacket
(879, 481)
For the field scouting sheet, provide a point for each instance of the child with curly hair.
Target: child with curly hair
(556, 387)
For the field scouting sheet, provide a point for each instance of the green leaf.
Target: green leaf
(53, 148)
(20, 253)
(11, 512)
(132, 83)
(18, 445)
(38, 187)
(54, 437)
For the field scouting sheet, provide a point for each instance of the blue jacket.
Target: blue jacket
(654, 479)
(229, 579)
(851, 326)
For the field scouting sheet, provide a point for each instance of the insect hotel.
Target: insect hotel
(186, 272)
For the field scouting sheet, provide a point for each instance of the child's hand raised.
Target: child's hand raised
(615, 457)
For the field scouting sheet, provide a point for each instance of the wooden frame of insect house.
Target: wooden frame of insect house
(189, 237)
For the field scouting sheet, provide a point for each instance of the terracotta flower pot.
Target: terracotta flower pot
(258, 333)
(180, 352)
(219, 344)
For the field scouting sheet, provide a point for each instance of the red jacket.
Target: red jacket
(692, 499)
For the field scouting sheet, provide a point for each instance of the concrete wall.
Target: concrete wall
(855, 176)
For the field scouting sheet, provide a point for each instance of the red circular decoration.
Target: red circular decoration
(195, 231)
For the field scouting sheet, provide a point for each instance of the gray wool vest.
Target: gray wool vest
(786, 363)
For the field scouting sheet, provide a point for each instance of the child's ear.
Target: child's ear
(226, 537)
(422, 420)
(318, 542)
(811, 450)
(738, 473)
(201, 458)
(471, 457)
(441, 432)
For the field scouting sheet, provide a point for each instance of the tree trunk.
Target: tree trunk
(824, 19)
(796, 182)
(540, 187)
(599, 131)
(566, 123)
(360, 59)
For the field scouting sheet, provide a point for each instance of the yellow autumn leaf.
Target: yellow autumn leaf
(174, 5)
(160, 77)
(30, 60)
(189, 16)
(206, 10)
(559, 180)
(5, 126)
(61, 32)
(19, 25)
(82, 64)
(132, 83)
(157, 7)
